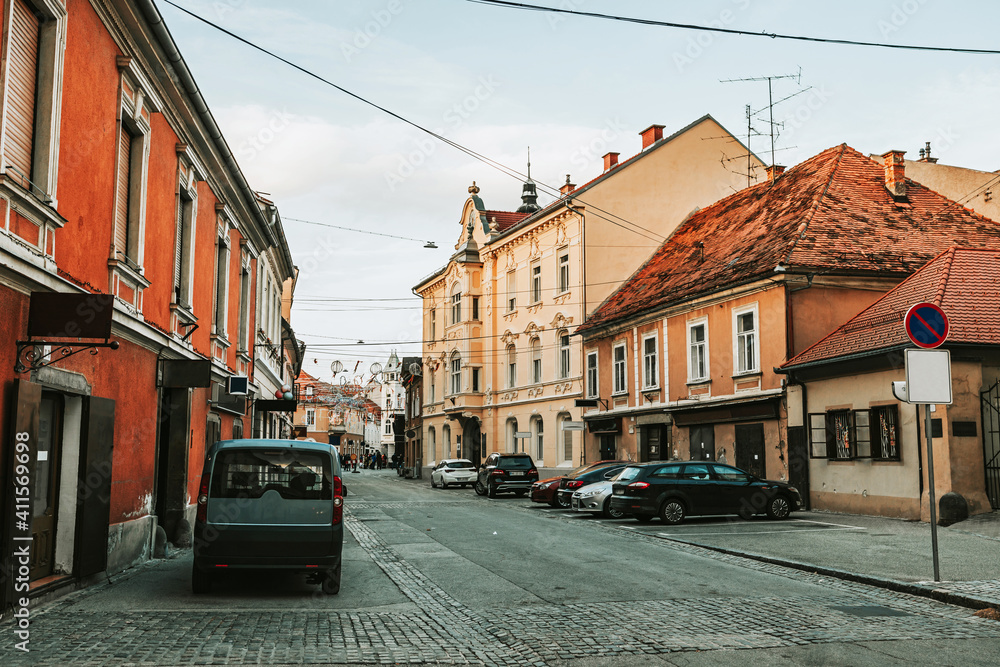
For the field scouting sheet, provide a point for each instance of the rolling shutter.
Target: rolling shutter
(22, 72)
(121, 207)
(179, 248)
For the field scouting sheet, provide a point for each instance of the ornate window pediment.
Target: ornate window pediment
(561, 321)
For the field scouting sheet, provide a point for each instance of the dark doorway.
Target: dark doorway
(45, 497)
(609, 448)
(654, 442)
(991, 442)
(172, 462)
(471, 436)
(750, 449)
(702, 443)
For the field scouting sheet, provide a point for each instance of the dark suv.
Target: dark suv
(675, 489)
(506, 472)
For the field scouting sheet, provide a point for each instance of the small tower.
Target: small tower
(391, 402)
(529, 196)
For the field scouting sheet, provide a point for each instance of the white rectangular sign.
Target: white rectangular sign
(572, 426)
(522, 434)
(928, 376)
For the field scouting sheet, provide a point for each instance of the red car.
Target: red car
(545, 490)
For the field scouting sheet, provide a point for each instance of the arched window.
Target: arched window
(446, 442)
(511, 367)
(456, 373)
(511, 430)
(431, 446)
(564, 357)
(567, 438)
(539, 437)
(536, 360)
(456, 304)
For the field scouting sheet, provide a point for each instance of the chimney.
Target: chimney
(925, 154)
(610, 160)
(774, 171)
(651, 135)
(568, 187)
(895, 173)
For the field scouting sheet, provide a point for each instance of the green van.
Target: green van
(270, 505)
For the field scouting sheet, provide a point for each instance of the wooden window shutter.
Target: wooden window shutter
(22, 72)
(121, 208)
(179, 248)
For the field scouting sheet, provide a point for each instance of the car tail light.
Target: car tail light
(221, 565)
(448, 470)
(575, 484)
(338, 500)
(638, 485)
(202, 513)
(533, 471)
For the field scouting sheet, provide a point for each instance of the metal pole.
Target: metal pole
(930, 485)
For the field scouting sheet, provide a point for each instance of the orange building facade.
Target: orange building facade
(117, 187)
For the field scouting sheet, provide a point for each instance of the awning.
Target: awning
(762, 408)
(655, 418)
(605, 426)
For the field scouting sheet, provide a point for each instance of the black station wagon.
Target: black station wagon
(675, 489)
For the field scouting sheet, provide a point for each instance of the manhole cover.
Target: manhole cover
(871, 611)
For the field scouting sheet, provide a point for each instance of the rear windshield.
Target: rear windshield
(515, 462)
(459, 464)
(627, 474)
(294, 475)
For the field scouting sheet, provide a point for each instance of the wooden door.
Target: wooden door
(750, 449)
(45, 497)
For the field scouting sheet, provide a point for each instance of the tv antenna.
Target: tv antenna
(770, 107)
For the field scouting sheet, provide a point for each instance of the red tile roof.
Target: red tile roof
(829, 214)
(964, 282)
(505, 219)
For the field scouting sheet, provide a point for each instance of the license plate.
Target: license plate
(517, 473)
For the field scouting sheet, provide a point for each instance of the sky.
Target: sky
(572, 88)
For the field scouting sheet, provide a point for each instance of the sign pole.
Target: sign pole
(931, 493)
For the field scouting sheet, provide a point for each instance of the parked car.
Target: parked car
(596, 498)
(544, 491)
(453, 471)
(506, 472)
(675, 489)
(270, 505)
(603, 470)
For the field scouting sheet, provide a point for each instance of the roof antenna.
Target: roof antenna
(529, 163)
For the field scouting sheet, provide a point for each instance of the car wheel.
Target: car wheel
(609, 512)
(479, 488)
(642, 518)
(562, 501)
(444, 484)
(779, 508)
(672, 512)
(555, 500)
(492, 491)
(331, 582)
(433, 483)
(201, 581)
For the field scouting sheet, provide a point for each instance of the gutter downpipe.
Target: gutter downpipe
(583, 290)
(805, 420)
(156, 23)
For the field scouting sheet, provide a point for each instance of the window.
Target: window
(619, 370)
(746, 341)
(840, 436)
(309, 391)
(539, 441)
(456, 373)
(475, 307)
(433, 335)
(511, 291)
(187, 204)
(884, 427)
(433, 387)
(698, 351)
(431, 444)
(536, 282)
(222, 282)
(244, 333)
(475, 379)
(388, 428)
(567, 441)
(536, 361)
(592, 388)
(563, 273)
(564, 357)
(847, 434)
(511, 367)
(237, 429)
(649, 362)
(445, 442)
(310, 417)
(456, 305)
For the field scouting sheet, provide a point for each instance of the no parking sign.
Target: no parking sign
(926, 325)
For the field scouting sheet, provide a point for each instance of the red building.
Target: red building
(117, 186)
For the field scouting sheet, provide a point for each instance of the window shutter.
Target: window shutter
(178, 248)
(121, 209)
(22, 71)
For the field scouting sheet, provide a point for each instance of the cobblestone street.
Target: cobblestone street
(440, 627)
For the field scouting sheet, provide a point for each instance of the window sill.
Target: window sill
(746, 375)
(184, 313)
(620, 394)
(654, 387)
(695, 383)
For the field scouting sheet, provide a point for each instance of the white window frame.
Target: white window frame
(536, 360)
(565, 358)
(562, 270)
(619, 369)
(456, 374)
(433, 324)
(456, 304)
(310, 417)
(691, 325)
(511, 291)
(511, 366)
(739, 340)
(593, 375)
(220, 303)
(536, 282)
(650, 362)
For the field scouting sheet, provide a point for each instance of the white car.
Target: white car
(453, 471)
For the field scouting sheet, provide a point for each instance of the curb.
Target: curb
(938, 594)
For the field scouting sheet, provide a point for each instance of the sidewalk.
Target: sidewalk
(889, 553)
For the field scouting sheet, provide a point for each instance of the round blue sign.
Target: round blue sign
(926, 325)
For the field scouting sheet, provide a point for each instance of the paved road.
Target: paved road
(448, 577)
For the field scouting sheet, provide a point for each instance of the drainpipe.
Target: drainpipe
(805, 425)
(583, 298)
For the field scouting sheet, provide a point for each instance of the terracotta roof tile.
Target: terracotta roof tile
(829, 214)
(505, 219)
(964, 282)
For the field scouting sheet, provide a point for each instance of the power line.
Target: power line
(430, 244)
(729, 31)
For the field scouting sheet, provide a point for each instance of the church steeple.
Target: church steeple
(529, 196)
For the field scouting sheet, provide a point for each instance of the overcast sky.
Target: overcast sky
(498, 80)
